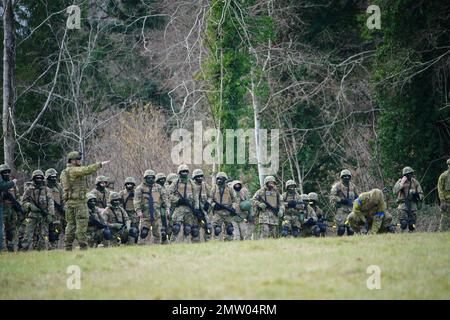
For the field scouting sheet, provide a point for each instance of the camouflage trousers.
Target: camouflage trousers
(56, 229)
(290, 226)
(445, 216)
(36, 233)
(357, 224)
(224, 225)
(119, 237)
(251, 231)
(135, 221)
(240, 232)
(268, 231)
(147, 227)
(10, 222)
(94, 236)
(183, 216)
(77, 217)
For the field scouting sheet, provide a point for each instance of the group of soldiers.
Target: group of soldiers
(182, 207)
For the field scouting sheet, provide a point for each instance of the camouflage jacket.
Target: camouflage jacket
(366, 206)
(127, 200)
(73, 181)
(35, 197)
(5, 186)
(203, 192)
(406, 191)
(444, 186)
(102, 197)
(180, 189)
(142, 195)
(113, 216)
(300, 206)
(225, 196)
(274, 198)
(340, 192)
(57, 195)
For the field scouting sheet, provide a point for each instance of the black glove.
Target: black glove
(232, 212)
(206, 206)
(292, 204)
(216, 206)
(198, 214)
(309, 222)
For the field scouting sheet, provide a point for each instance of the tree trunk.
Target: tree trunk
(8, 82)
(257, 119)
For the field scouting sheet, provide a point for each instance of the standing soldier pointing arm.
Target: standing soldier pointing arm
(73, 180)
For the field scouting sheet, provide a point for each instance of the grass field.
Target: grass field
(413, 266)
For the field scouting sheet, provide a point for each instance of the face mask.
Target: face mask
(346, 179)
(92, 203)
(115, 203)
(198, 179)
(220, 181)
(6, 175)
(39, 182)
(129, 186)
(184, 174)
(51, 180)
(100, 187)
(291, 189)
(150, 180)
(312, 203)
(161, 182)
(237, 187)
(270, 186)
(409, 176)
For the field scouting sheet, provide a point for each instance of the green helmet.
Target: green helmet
(290, 183)
(197, 172)
(448, 161)
(130, 180)
(73, 155)
(149, 172)
(305, 197)
(407, 170)
(114, 196)
(313, 196)
(182, 167)
(376, 195)
(160, 175)
(171, 177)
(221, 175)
(245, 205)
(269, 179)
(50, 172)
(37, 173)
(90, 196)
(345, 172)
(101, 179)
(4, 167)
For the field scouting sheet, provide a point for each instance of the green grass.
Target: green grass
(413, 266)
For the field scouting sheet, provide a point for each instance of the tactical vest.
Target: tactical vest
(14, 192)
(128, 201)
(38, 196)
(185, 189)
(56, 194)
(146, 195)
(202, 192)
(118, 216)
(273, 198)
(222, 196)
(407, 188)
(344, 192)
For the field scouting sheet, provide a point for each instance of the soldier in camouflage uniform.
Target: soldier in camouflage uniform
(58, 225)
(117, 220)
(244, 217)
(38, 202)
(171, 177)
(267, 217)
(369, 211)
(185, 204)
(101, 191)
(161, 179)
(295, 210)
(203, 191)
(321, 218)
(73, 181)
(224, 203)
(97, 231)
(127, 196)
(149, 199)
(310, 223)
(409, 193)
(342, 195)
(444, 197)
(13, 213)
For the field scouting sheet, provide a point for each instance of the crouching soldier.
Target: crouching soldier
(310, 220)
(321, 218)
(294, 212)
(117, 220)
(369, 211)
(149, 199)
(97, 232)
(270, 208)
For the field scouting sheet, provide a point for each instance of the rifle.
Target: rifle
(59, 207)
(197, 212)
(15, 204)
(164, 224)
(43, 212)
(150, 206)
(95, 223)
(219, 206)
(269, 206)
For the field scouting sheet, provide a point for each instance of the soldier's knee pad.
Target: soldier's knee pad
(323, 228)
(176, 228)
(53, 236)
(285, 231)
(133, 232)
(341, 230)
(403, 224)
(316, 231)
(350, 231)
(217, 230)
(295, 231)
(107, 235)
(144, 232)
(230, 229)
(391, 228)
(195, 231)
(412, 225)
(187, 229)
